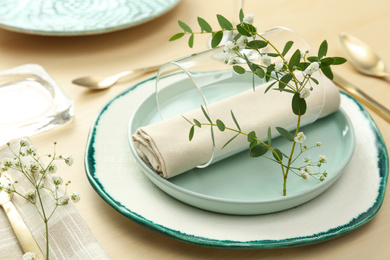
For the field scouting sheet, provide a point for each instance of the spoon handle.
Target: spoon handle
(362, 97)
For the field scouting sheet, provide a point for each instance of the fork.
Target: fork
(22, 233)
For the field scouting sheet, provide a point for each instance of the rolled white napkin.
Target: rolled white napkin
(166, 146)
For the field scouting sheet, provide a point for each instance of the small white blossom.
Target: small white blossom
(52, 168)
(241, 42)
(7, 162)
(24, 142)
(29, 256)
(266, 60)
(305, 175)
(313, 67)
(305, 93)
(30, 195)
(7, 187)
(319, 144)
(231, 60)
(322, 178)
(279, 67)
(33, 167)
(75, 197)
(64, 200)
(57, 180)
(69, 160)
(306, 160)
(308, 169)
(300, 137)
(323, 159)
(229, 47)
(325, 174)
(248, 18)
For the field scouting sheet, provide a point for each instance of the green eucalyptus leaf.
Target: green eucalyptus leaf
(251, 136)
(298, 104)
(285, 90)
(285, 133)
(287, 47)
(241, 16)
(250, 64)
(260, 73)
(294, 60)
(325, 62)
(270, 68)
(239, 69)
(323, 49)
(252, 144)
(206, 115)
(303, 65)
(272, 54)
(191, 134)
(176, 36)
(315, 80)
(224, 23)
(185, 27)
(278, 154)
(284, 81)
(270, 85)
(216, 39)
(197, 123)
(191, 41)
(220, 125)
(205, 26)
(187, 120)
(243, 30)
(258, 150)
(238, 35)
(235, 120)
(256, 44)
(228, 142)
(339, 60)
(313, 59)
(327, 72)
(269, 136)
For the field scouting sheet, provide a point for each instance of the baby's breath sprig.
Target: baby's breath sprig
(293, 74)
(29, 165)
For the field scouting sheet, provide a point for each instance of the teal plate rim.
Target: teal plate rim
(364, 217)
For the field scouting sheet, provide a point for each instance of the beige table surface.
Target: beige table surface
(68, 57)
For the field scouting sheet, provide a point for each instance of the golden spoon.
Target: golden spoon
(362, 57)
(103, 83)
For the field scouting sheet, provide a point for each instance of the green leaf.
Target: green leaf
(339, 60)
(284, 81)
(238, 35)
(241, 15)
(251, 136)
(287, 47)
(191, 134)
(250, 65)
(216, 39)
(286, 134)
(176, 36)
(269, 87)
(270, 68)
(235, 120)
(243, 31)
(323, 49)
(315, 80)
(197, 123)
(272, 54)
(298, 104)
(252, 144)
(239, 69)
(220, 125)
(327, 72)
(294, 60)
(228, 142)
(258, 150)
(256, 44)
(184, 26)
(260, 72)
(206, 115)
(269, 136)
(325, 62)
(303, 65)
(285, 90)
(224, 23)
(205, 26)
(191, 41)
(278, 154)
(187, 120)
(313, 59)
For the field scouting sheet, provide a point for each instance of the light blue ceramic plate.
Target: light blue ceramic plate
(351, 201)
(73, 17)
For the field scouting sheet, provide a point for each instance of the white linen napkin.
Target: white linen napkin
(70, 237)
(166, 146)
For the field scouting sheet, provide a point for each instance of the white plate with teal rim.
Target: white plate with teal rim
(74, 17)
(350, 202)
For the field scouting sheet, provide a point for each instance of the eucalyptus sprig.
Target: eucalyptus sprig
(293, 74)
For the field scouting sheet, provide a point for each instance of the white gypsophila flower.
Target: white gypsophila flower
(305, 175)
(231, 60)
(300, 137)
(322, 178)
(30, 195)
(33, 167)
(279, 67)
(64, 200)
(308, 169)
(57, 180)
(69, 160)
(7, 162)
(306, 160)
(7, 187)
(305, 93)
(323, 159)
(229, 47)
(29, 256)
(248, 18)
(319, 144)
(313, 67)
(241, 42)
(24, 142)
(52, 168)
(266, 60)
(75, 197)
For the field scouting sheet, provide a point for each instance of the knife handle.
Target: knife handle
(362, 97)
(22, 233)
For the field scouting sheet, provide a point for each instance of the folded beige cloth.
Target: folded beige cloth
(70, 237)
(166, 146)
